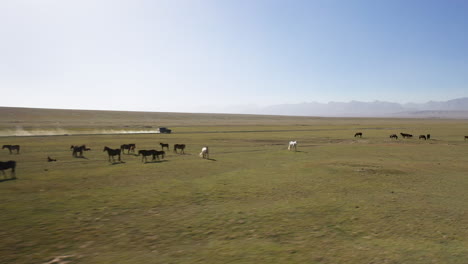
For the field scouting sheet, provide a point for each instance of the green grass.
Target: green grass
(337, 200)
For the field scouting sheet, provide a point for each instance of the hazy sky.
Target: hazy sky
(180, 55)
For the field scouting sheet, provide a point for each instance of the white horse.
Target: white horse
(204, 153)
(292, 145)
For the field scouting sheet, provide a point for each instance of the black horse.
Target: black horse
(159, 153)
(394, 136)
(358, 134)
(179, 146)
(146, 153)
(12, 147)
(129, 147)
(428, 136)
(422, 137)
(405, 135)
(11, 164)
(78, 149)
(466, 137)
(112, 153)
(163, 145)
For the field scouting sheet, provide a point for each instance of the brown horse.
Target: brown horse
(179, 146)
(12, 147)
(394, 136)
(358, 134)
(422, 137)
(163, 145)
(128, 147)
(466, 137)
(78, 149)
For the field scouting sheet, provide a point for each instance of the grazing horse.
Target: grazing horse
(205, 153)
(144, 153)
(129, 147)
(394, 136)
(292, 145)
(11, 164)
(422, 137)
(405, 135)
(12, 147)
(358, 134)
(112, 153)
(49, 159)
(179, 146)
(78, 149)
(164, 146)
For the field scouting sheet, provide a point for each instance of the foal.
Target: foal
(163, 145)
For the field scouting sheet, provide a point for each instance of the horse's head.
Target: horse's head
(4, 146)
(105, 148)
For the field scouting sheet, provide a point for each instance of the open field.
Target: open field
(338, 199)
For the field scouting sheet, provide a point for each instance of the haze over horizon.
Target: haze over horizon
(200, 56)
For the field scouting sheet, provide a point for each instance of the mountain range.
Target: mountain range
(456, 108)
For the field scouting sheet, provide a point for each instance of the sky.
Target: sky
(225, 55)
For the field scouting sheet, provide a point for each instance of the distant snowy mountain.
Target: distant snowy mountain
(456, 108)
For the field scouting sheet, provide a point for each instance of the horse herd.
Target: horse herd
(404, 135)
(77, 151)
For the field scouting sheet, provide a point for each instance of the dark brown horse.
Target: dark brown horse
(159, 153)
(145, 153)
(422, 137)
(163, 145)
(179, 146)
(405, 135)
(112, 153)
(394, 136)
(49, 159)
(12, 147)
(466, 137)
(129, 147)
(78, 149)
(358, 134)
(11, 164)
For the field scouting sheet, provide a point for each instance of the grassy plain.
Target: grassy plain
(338, 199)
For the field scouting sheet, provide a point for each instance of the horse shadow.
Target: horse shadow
(211, 159)
(9, 179)
(156, 161)
(117, 162)
(81, 157)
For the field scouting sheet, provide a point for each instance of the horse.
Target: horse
(49, 159)
(428, 136)
(78, 149)
(394, 136)
(11, 164)
(466, 137)
(112, 153)
(129, 147)
(405, 135)
(146, 153)
(292, 145)
(422, 137)
(205, 153)
(179, 146)
(158, 153)
(12, 147)
(164, 145)
(358, 134)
